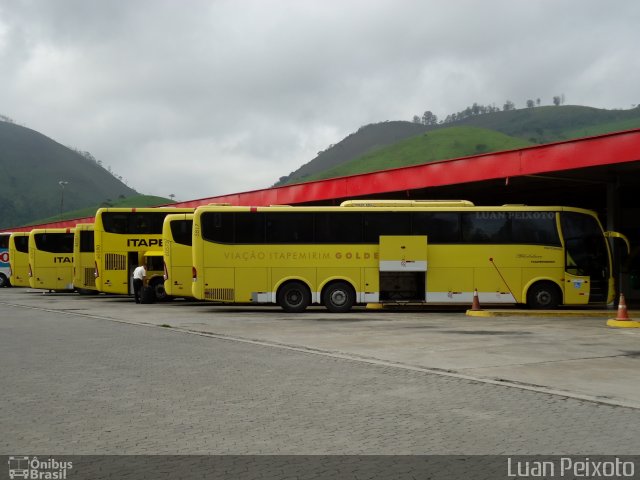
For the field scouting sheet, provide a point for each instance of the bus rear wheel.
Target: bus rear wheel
(294, 297)
(338, 297)
(4, 281)
(544, 296)
(159, 293)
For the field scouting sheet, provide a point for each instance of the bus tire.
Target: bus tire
(159, 293)
(294, 297)
(338, 297)
(4, 281)
(544, 296)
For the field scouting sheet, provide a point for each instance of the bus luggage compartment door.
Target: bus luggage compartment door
(403, 268)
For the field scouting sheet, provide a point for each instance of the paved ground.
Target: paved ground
(77, 383)
(576, 356)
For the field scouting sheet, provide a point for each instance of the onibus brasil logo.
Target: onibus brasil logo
(32, 468)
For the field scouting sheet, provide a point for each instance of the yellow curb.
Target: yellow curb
(612, 322)
(539, 313)
(481, 313)
(374, 306)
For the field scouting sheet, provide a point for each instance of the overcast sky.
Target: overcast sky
(202, 98)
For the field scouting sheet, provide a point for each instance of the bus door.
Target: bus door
(587, 258)
(403, 268)
(133, 260)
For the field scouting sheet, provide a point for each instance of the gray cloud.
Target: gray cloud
(202, 98)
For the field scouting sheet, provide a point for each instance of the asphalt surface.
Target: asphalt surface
(80, 383)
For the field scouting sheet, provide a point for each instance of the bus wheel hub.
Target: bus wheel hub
(338, 297)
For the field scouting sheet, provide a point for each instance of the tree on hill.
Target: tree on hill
(558, 100)
(428, 118)
(509, 105)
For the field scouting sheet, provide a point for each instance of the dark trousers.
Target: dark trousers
(137, 286)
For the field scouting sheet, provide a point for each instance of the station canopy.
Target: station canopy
(601, 173)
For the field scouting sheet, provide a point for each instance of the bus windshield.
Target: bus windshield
(181, 231)
(86, 241)
(148, 223)
(54, 242)
(586, 248)
(22, 243)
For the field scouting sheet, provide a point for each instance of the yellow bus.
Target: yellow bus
(5, 269)
(84, 279)
(51, 258)
(176, 242)
(19, 259)
(434, 252)
(122, 236)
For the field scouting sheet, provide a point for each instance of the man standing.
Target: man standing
(138, 279)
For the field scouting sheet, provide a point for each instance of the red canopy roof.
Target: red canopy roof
(613, 148)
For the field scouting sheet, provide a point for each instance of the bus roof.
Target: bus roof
(178, 216)
(144, 210)
(411, 205)
(52, 230)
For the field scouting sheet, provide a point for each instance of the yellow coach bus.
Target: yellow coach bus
(122, 236)
(84, 279)
(436, 252)
(178, 263)
(51, 258)
(19, 259)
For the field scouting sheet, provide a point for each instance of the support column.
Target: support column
(612, 223)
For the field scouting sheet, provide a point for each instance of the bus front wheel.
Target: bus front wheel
(294, 297)
(338, 297)
(544, 296)
(4, 281)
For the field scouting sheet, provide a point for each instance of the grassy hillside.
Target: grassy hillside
(366, 139)
(609, 127)
(31, 167)
(435, 145)
(532, 125)
(135, 201)
(553, 124)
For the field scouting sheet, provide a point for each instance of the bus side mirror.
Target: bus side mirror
(621, 237)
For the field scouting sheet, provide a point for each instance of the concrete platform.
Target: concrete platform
(574, 355)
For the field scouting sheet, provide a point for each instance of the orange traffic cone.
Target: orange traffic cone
(475, 305)
(622, 309)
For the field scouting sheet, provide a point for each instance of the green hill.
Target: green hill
(366, 139)
(372, 146)
(439, 144)
(31, 167)
(553, 124)
(139, 201)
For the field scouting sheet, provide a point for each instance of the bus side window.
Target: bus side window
(537, 228)
(385, 223)
(485, 227)
(249, 228)
(338, 227)
(285, 227)
(439, 227)
(217, 227)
